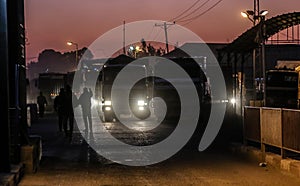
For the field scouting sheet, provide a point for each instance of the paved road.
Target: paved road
(76, 163)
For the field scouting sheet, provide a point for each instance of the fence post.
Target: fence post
(262, 145)
(244, 128)
(281, 121)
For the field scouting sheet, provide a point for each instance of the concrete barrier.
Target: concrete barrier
(31, 154)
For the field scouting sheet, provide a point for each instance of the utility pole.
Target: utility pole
(76, 52)
(256, 11)
(263, 55)
(255, 16)
(164, 26)
(124, 52)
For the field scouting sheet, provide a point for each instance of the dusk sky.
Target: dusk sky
(51, 23)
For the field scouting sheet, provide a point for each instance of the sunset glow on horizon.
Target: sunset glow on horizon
(50, 24)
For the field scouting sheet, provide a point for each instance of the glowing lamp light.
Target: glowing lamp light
(244, 14)
(233, 101)
(264, 12)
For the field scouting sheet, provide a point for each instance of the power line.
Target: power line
(199, 15)
(148, 36)
(182, 13)
(157, 34)
(203, 4)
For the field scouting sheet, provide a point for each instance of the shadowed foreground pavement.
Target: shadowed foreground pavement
(75, 163)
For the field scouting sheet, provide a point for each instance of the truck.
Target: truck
(139, 94)
(283, 88)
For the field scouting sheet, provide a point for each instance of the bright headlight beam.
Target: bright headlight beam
(233, 101)
(94, 102)
(141, 103)
(107, 102)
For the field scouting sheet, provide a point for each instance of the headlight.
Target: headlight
(224, 101)
(233, 101)
(107, 102)
(141, 103)
(141, 108)
(94, 102)
(107, 108)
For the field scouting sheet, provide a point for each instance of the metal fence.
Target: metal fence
(275, 127)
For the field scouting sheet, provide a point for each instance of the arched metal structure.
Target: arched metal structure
(248, 40)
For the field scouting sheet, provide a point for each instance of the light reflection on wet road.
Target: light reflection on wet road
(76, 163)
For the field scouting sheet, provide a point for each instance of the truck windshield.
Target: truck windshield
(111, 72)
(282, 79)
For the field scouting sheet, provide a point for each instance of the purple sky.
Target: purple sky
(51, 23)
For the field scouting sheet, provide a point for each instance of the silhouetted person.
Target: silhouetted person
(69, 112)
(85, 102)
(59, 107)
(42, 102)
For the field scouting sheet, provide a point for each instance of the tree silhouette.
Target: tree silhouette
(50, 60)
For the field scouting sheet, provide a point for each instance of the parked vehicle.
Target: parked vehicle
(283, 88)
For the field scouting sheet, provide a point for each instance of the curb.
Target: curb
(253, 154)
(12, 178)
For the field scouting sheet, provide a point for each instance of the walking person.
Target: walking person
(85, 102)
(69, 112)
(42, 102)
(59, 108)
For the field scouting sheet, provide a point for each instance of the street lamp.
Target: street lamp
(248, 14)
(253, 16)
(76, 54)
